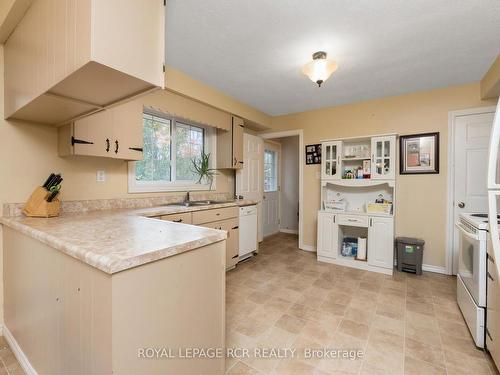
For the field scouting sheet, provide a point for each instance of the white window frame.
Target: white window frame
(210, 136)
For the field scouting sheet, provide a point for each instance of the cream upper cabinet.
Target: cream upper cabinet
(115, 132)
(383, 158)
(330, 160)
(230, 145)
(68, 58)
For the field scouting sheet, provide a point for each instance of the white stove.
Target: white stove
(471, 278)
(477, 220)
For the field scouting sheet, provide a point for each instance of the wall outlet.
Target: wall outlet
(100, 176)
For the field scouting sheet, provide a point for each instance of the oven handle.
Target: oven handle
(466, 232)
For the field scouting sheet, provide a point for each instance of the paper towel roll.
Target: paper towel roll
(361, 248)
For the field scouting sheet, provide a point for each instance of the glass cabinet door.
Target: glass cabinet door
(330, 160)
(383, 157)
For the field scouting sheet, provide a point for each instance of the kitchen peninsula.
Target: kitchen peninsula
(100, 286)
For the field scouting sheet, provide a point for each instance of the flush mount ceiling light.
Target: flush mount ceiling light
(320, 68)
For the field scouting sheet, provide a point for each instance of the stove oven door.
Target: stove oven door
(472, 262)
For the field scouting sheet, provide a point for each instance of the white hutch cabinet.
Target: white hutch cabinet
(356, 172)
(330, 160)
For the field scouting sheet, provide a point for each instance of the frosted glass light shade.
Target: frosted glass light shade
(320, 69)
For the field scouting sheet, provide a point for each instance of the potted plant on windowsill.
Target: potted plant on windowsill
(201, 167)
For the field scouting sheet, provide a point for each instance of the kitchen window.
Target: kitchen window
(170, 146)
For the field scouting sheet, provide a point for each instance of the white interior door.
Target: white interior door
(471, 141)
(249, 179)
(271, 203)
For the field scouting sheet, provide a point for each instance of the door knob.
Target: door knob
(461, 204)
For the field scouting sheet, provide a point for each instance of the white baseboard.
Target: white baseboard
(307, 248)
(290, 231)
(435, 269)
(18, 353)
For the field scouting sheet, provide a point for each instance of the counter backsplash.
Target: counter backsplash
(15, 209)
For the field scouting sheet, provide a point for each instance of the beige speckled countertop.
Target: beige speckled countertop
(116, 240)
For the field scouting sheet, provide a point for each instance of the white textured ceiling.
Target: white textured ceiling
(254, 50)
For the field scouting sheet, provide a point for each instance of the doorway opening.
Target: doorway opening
(282, 198)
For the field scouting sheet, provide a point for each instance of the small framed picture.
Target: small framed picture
(313, 154)
(419, 153)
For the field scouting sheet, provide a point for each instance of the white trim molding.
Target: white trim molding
(452, 115)
(291, 133)
(310, 248)
(18, 353)
(289, 231)
(435, 269)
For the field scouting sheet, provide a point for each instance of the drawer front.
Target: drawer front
(184, 217)
(231, 226)
(353, 220)
(217, 214)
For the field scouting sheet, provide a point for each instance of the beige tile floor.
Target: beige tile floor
(404, 324)
(8, 363)
(284, 298)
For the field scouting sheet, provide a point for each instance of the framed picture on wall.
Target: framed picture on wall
(313, 154)
(419, 153)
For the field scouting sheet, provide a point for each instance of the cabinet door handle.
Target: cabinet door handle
(492, 260)
(135, 149)
(240, 162)
(117, 146)
(236, 256)
(108, 146)
(236, 227)
(490, 277)
(334, 219)
(177, 221)
(371, 222)
(80, 141)
(235, 161)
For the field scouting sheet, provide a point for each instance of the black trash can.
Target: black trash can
(410, 252)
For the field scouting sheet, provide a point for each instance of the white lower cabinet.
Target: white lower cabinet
(332, 227)
(381, 242)
(328, 235)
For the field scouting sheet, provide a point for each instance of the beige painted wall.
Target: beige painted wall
(180, 82)
(421, 200)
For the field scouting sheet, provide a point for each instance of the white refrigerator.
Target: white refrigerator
(492, 337)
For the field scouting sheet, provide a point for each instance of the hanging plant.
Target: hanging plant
(201, 167)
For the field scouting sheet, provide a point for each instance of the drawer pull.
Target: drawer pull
(177, 221)
(236, 227)
(236, 256)
(217, 214)
(353, 220)
(490, 277)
